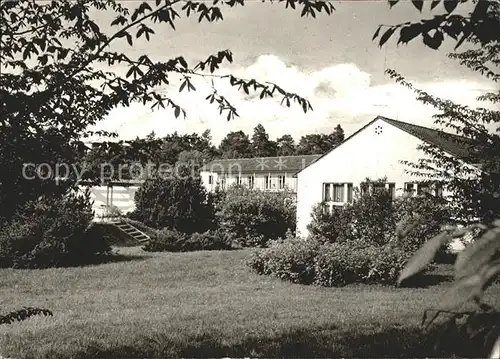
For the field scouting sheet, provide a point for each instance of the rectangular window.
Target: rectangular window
(327, 194)
(349, 192)
(365, 188)
(223, 183)
(251, 181)
(392, 189)
(281, 181)
(267, 182)
(238, 180)
(338, 192)
(410, 188)
(210, 179)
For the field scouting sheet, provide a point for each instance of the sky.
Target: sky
(330, 60)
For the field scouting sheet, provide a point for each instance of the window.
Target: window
(349, 192)
(267, 182)
(338, 192)
(223, 182)
(327, 195)
(238, 180)
(392, 189)
(378, 186)
(365, 188)
(251, 181)
(433, 189)
(281, 181)
(210, 179)
(410, 188)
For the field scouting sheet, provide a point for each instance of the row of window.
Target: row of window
(251, 181)
(343, 192)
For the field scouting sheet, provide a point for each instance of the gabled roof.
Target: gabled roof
(457, 146)
(289, 164)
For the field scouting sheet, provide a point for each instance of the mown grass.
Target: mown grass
(207, 304)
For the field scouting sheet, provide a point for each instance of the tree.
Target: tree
(49, 84)
(313, 144)
(285, 146)
(261, 145)
(175, 203)
(236, 145)
(477, 193)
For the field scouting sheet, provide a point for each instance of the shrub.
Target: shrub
(209, 240)
(340, 264)
(328, 227)
(369, 219)
(174, 241)
(290, 259)
(179, 204)
(254, 216)
(166, 240)
(330, 265)
(433, 213)
(52, 231)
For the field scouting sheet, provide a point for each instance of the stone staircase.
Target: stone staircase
(132, 231)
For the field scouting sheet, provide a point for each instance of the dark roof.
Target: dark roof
(290, 164)
(458, 146)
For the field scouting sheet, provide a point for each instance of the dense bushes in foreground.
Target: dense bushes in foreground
(328, 264)
(174, 241)
(254, 217)
(52, 231)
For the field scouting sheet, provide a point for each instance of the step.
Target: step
(133, 232)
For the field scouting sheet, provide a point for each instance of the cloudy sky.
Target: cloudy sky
(330, 60)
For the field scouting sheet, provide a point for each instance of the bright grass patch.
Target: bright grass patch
(206, 304)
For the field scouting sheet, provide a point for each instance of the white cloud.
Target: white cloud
(340, 94)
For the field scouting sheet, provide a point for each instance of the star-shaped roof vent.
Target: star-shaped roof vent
(378, 130)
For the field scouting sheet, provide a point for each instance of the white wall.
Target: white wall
(120, 197)
(367, 154)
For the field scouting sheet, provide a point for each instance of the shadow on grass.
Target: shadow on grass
(426, 280)
(310, 342)
(78, 262)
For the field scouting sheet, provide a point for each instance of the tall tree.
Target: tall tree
(236, 145)
(262, 146)
(313, 144)
(285, 145)
(475, 194)
(46, 83)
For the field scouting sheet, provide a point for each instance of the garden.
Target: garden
(223, 275)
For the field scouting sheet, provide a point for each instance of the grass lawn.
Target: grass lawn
(206, 304)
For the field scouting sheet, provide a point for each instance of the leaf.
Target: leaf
(477, 254)
(375, 35)
(386, 36)
(393, 2)
(434, 3)
(450, 5)
(129, 39)
(489, 273)
(423, 257)
(408, 33)
(183, 85)
(462, 291)
(177, 111)
(495, 351)
(419, 4)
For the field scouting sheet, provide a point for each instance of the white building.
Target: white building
(265, 173)
(375, 151)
